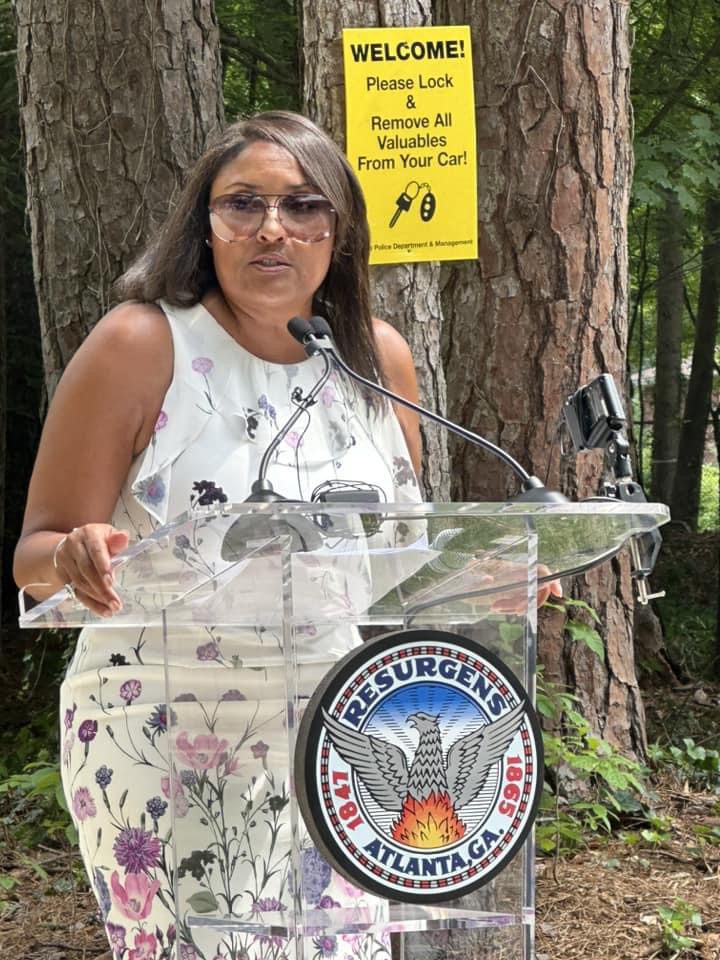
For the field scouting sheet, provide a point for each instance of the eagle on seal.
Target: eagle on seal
(431, 780)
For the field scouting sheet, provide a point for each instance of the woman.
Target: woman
(190, 378)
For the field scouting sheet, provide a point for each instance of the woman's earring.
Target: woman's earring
(207, 242)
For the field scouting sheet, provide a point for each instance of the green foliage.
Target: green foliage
(688, 165)
(699, 765)
(579, 631)
(676, 106)
(687, 570)
(606, 786)
(259, 45)
(657, 832)
(609, 786)
(33, 807)
(677, 922)
(709, 515)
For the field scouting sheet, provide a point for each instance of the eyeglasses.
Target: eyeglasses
(305, 217)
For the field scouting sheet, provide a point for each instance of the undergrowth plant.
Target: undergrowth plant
(603, 787)
(692, 762)
(676, 923)
(33, 807)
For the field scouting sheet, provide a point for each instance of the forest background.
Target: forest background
(589, 262)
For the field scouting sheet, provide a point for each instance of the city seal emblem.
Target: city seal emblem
(418, 766)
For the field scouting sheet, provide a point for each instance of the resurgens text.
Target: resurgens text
(423, 668)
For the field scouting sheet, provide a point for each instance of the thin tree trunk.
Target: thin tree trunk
(715, 414)
(668, 353)
(544, 310)
(407, 295)
(4, 457)
(117, 99)
(693, 437)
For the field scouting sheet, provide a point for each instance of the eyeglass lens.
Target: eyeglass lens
(306, 218)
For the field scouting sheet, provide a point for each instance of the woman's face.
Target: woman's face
(270, 272)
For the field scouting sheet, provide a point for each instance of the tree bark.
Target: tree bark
(693, 436)
(544, 309)
(408, 295)
(117, 99)
(668, 352)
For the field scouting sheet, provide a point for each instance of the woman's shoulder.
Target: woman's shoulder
(128, 352)
(388, 338)
(133, 325)
(395, 356)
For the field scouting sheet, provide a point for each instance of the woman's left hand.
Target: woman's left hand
(515, 600)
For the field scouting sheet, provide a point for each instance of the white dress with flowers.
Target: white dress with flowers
(222, 408)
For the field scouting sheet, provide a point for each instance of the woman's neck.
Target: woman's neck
(261, 332)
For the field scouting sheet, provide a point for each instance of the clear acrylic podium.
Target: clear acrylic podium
(256, 604)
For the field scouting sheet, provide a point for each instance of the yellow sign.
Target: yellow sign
(411, 139)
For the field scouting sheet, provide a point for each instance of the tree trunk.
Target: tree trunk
(693, 436)
(544, 310)
(407, 295)
(715, 414)
(668, 352)
(4, 459)
(25, 677)
(117, 99)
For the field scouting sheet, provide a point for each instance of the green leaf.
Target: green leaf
(582, 633)
(203, 902)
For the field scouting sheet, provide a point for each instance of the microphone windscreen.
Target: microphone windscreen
(321, 327)
(299, 328)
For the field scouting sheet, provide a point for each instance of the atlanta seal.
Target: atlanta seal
(418, 766)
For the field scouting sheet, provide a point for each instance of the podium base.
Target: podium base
(385, 918)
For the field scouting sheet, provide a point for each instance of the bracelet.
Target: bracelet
(60, 542)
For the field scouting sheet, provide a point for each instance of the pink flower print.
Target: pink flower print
(207, 651)
(294, 439)
(204, 753)
(233, 695)
(134, 899)
(88, 730)
(130, 690)
(327, 946)
(259, 750)
(70, 716)
(188, 952)
(83, 804)
(232, 765)
(151, 490)
(136, 850)
(180, 801)
(202, 364)
(328, 395)
(116, 936)
(145, 946)
(161, 421)
(349, 890)
(267, 905)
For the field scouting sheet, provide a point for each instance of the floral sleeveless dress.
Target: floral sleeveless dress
(223, 407)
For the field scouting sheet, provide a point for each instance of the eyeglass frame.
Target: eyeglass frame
(279, 197)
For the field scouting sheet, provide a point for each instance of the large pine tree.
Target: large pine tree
(117, 99)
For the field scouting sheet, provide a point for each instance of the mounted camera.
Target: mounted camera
(595, 418)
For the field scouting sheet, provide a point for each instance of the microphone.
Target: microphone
(317, 337)
(262, 490)
(304, 534)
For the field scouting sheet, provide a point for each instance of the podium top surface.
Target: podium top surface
(244, 563)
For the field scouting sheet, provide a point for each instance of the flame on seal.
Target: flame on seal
(428, 823)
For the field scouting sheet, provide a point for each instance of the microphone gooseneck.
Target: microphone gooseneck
(262, 490)
(316, 337)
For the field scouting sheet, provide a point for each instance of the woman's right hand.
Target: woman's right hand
(83, 560)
